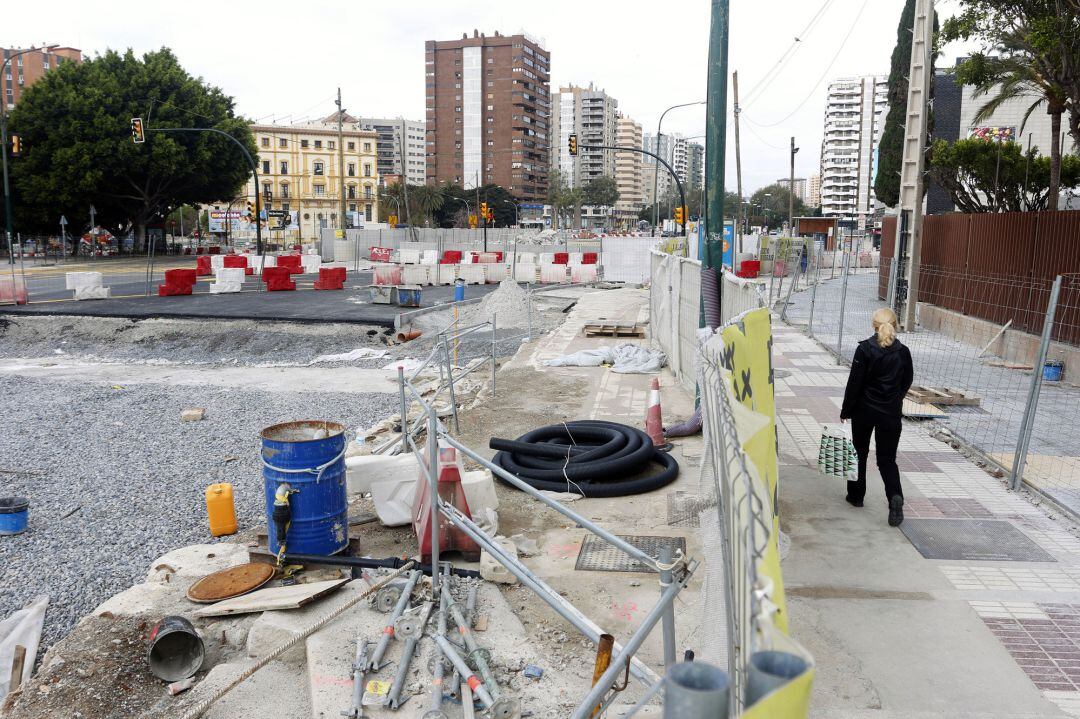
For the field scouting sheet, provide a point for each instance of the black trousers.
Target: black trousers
(886, 431)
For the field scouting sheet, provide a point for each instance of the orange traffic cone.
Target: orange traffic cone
(654, 421)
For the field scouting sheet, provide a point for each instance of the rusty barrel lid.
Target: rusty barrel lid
(231, 582)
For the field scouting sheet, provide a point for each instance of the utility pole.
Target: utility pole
(93, 237)
(904, 288)
(791, 192)
(341, 160)
(738, 165)
(715, 141)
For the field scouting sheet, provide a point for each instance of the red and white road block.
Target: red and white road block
(654, 420)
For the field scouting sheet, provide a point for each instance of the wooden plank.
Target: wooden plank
(920, 410)
(262, 600)
(18, 661)
(942, 396)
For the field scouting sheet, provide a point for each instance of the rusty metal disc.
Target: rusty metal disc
(231, 582)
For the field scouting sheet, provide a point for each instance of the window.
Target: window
(352, 207)
(318, 144)
(284, 167)
(367, 213)
(303, 143)
(284, 191)
(352, 192)
(351, 145)
(367, 169)
(285, 206)
(320, 190)
(267, 192)
(317, 167)
(367, 146)
(352, 169)
(266, 167)
(367, 192)
(331, 145)
(283, 142)
(491, 108)
(264, 141)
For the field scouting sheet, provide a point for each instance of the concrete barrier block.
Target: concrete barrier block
(416, 274)
(445, 274)
(222, 288)
(311, 264)
(74, 280)
(92, 293)
(429, 257)
(550, 274)
(230, 275)
(409, 257)
(472, 274)
(526, 272)
(497, 272)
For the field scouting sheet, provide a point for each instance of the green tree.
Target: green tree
(428, 199)
(986, 176)
(773, 199)
(75, 126)
(392, 202)
(891, 147)
(601, 191)
(193, 219)
(1021, 56)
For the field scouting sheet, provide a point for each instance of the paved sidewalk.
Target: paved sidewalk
(897, 634)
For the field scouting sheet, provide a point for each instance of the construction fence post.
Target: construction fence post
(433, 491)
(404, 411)
(450, 382)
(1028, 423)
(494, 336)
(813, 289)
(666, 578)
(794, 281)
(843, 307)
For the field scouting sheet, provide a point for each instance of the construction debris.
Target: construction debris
(941, 396)
(614, 329)
(193, 414)
(624, 359)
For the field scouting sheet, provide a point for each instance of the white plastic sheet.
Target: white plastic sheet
(624, 359)
(22, 628)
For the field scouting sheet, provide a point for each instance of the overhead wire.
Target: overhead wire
(774, 71)
(817, 84)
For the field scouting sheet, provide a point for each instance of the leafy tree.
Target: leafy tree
(75, 126)
(602, 191)
(986, 176)
(774, 200)
(193, 219)
(891, 147)
(428, 198)
(1022, 56)
(392, 202)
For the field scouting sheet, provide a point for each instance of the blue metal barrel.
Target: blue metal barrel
(309, 456)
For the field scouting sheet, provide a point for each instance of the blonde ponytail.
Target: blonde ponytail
(885, 326)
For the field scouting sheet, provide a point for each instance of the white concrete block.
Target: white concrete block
(74, 280)
(552, 273)
(526, 272)
(445, 274)
(429, 257)
(491, 570)
(223, 288)
(365, 470)
(311, 264)
(229, 274)
(92, 293)
(416, 274)
(217, 262)
(479, 488)
(472, 274)
(409, 257)
(496, 272)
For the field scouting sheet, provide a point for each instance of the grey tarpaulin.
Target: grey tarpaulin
(625, 359)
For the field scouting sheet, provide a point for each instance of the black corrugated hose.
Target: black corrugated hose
(590, 458)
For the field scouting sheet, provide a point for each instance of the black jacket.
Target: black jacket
(880, 378)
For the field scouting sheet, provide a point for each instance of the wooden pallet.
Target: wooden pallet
(941, 396)
(614, 329)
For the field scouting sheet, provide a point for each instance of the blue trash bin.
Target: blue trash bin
(14, 515)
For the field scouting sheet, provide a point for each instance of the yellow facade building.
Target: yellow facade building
(301, 168)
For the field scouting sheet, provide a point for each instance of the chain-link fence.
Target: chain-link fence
(976, 350)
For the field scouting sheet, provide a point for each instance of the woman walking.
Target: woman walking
(881, 373)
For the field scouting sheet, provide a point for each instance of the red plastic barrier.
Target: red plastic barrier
(202, 266)
(235, 261)
(451, 257)
(751, 266)
(13, 290)
(562, 258)
(279, 285)
(297, 248)
(292, 263)
(588, 258)
(200, 250)
(167, 290)
(275, 273)
(498, 256)
(332, 274)
(180, 277)
(381, 254)
(213, 250)
(328, 284)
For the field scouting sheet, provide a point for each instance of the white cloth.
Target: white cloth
(624, 359)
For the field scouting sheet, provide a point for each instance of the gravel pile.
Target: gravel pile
(133, 475)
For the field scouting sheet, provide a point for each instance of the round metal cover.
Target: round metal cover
(231, 582)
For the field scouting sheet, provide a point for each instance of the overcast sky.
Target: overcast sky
(286, 59)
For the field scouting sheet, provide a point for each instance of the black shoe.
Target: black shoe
(896, 511)
(852, 501)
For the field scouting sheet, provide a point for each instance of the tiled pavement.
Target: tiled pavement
(1032, 608)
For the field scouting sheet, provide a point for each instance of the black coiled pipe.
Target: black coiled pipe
(590, 458)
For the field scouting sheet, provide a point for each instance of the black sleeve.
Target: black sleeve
(856, 377)
(908, 375)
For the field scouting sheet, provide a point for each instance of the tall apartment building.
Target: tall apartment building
(489, 113)
(628, 170)
(854, 119)
(666, 147)
(401, 148)
(663, 182)
(28, 68)
(801, 187)
(695, 165)
(814, 191)
(592, 115)
(300, 169)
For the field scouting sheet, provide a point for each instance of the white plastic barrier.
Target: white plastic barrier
(229, 274)
(217, 262)
(547, 258)
(75, 280)
(416, 275)
(311, 264)
(526, 258)
(583, 273)
(444, 274)
(472, 274)
(387, 275)
(488, 257)
(220, 288)
(526, 272)
(258, 262)
(496, 272)
(409, 257)
(468, 257)
(576, 257)
(429, 257)
(551, 273)
(344, 251)
(92, 293)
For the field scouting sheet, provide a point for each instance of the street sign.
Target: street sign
(278, 213)
(63, 220)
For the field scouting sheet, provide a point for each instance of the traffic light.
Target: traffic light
(484, 210)
(249, 213)
(573, 145)
(472, 221)
(137, 133)
(680, 215)
(16, 145)
(392, 219)
(490, 215)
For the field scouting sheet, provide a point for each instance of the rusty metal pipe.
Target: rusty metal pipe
(603, 658)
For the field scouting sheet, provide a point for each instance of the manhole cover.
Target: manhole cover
(683, 509)
(231, 582)
(978, 540)
(597, 555)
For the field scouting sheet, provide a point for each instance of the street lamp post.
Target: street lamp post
(4, 140)
(656, 205)
(514, 205)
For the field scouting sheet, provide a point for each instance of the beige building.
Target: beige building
(628, 171)
(591, 114)
(300, 169)
(814, 192)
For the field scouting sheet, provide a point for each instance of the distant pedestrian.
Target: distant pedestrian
(881, 374)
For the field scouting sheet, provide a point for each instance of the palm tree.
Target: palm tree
(390, 200)
(428, 198)
(1010, 77)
